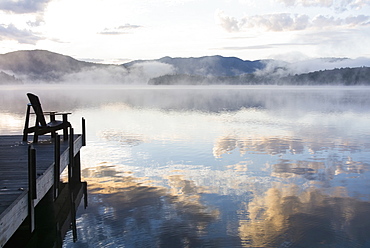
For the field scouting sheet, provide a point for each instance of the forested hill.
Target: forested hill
(208, 65)
(40, 65)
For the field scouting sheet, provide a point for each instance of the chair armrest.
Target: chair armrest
(67, 113)
(53, 114)
(49, 112)
(56, 113)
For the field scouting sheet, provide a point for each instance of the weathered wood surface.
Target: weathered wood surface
(14, 178)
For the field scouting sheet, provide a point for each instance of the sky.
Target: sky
(118, 31)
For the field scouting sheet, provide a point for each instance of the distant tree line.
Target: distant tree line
(342, 76)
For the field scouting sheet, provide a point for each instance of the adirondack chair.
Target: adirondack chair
(41, 127)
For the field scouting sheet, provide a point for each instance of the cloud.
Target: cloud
(23, 6)
(266, 46)
(270, 22)
(22, 36)
(235, 48)
(308, 3)
(124, 29)
(287, 22)
(39, 19)
(339, 5)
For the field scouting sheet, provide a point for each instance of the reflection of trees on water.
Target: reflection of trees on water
(125, 212)
(288, 218)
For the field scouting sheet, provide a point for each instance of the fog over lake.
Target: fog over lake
(215, 166)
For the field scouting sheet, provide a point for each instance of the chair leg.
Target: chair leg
(26, 123)
(35, 138)
(25, 136)
(65, 133)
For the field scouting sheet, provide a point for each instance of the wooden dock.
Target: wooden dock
(28, 172)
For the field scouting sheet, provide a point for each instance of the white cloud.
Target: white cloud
(338, 5)
(287, 22)
(23, 6)
(123, 29)
(358, 4)
(269, 22)
(39, 19)
(22, 36)
(308, 3)
(230, 24)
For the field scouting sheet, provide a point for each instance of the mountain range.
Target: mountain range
(44, 66)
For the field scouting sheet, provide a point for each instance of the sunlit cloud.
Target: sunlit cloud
(235, 48)
(264, 46)
(287, 22)
(123, 29)
(340, 5)
(23, 6)
(24, 36)
(39, 20)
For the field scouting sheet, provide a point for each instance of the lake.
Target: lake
(215, 166)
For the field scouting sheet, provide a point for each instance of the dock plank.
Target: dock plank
(14, 177)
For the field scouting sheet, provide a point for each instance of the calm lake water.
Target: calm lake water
(233, 166)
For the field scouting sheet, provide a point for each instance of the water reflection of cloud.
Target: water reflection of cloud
(287, 168)
(10, 123)
(268, 145)
(123, 211)
(285, 217)
(313, 170)
(124, 138)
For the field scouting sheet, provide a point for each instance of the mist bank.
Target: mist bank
(40, 66)
(295, 100)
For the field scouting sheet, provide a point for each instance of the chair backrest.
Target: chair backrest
(36, 105)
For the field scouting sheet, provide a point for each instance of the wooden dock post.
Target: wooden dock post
(83, 132)
(32, 190)
(71, 183)
(27, 121)
(71, 155)
(56, 165)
